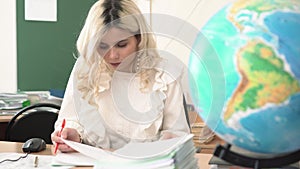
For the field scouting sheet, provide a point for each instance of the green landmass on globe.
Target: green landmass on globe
(264, 79)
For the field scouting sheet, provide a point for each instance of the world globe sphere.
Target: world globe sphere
(244, 75)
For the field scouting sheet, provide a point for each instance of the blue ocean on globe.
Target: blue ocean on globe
(251, 42)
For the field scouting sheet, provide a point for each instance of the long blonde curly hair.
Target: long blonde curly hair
(104, 14)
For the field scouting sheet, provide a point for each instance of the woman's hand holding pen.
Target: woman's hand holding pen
(68, 134)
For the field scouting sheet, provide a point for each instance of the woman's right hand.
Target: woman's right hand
(67, 134)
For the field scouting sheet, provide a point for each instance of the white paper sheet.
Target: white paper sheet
(89, 151)
(44, 161)
(72, 159)
(151, 149)
(149, 155)
(41, 10)
(132, 151)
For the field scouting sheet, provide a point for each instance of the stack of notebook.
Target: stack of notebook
(12, 101)
(164, 154)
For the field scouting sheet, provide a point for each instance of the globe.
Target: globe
(244, 75)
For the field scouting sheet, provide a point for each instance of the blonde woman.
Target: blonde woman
(120, 89)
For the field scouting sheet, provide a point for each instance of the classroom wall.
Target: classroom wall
(8, 56)
(195, 13)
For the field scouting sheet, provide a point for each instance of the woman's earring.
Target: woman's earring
(137, 63)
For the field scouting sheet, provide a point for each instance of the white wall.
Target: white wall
(8, 67)
(194, 12)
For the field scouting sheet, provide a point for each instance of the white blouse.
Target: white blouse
(124, 113)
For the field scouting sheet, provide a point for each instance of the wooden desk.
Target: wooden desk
(5, 119)
(15, 147)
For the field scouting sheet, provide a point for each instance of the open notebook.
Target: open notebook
(165, 154)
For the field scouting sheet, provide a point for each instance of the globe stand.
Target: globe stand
(224, 153)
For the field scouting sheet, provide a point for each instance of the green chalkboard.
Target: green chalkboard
(45, 49)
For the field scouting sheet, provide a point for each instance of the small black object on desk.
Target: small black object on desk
(34, 145)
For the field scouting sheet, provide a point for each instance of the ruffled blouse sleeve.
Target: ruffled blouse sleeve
(168, 81)
(174, 118)
(68, 110)
(81, 115)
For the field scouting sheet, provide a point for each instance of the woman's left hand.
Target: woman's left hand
(168, 135)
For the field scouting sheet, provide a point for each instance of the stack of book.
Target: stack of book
(203, 135)
(11, 101)
(197, 129)
(163, 154)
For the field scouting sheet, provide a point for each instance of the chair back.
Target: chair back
(33, 121)
(186, 112)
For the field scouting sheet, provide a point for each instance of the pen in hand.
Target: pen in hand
(62, 127)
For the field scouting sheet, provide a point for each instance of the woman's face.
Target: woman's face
(116, 45)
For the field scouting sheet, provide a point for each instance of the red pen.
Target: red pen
(62, 127)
